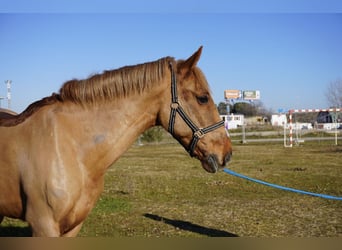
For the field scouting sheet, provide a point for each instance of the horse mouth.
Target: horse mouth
(210, 164)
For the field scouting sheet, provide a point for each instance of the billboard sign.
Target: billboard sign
(251, 95)
(232, 94)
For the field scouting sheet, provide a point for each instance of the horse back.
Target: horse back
(6, 113)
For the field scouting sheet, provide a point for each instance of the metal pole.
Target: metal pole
(243, 133)
(285, 145)
(336, 128)
(8, 84)
(291, 138)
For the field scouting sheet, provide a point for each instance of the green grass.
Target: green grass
(159, 191)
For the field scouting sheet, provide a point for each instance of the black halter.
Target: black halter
(198, 133)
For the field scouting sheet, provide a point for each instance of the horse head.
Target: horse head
(191, 116)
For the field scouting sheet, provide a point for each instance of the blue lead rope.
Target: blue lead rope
(325, 196)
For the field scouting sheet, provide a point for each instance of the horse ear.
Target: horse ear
(191, 62)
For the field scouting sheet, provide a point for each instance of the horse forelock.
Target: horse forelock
(201, 81)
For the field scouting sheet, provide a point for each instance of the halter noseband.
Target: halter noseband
(198, 133)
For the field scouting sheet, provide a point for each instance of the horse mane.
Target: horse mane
(118, 83)
(109, 85)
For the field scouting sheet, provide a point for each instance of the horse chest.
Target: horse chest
(85, 201)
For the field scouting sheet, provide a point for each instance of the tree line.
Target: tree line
(244, 108)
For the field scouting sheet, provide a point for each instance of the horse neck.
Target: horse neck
(113, 127)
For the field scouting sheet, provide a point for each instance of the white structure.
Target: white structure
(278, 120)
(232, 121)
(281, 121)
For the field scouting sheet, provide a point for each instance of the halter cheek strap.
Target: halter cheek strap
(198, 133)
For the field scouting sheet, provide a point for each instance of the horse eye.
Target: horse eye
(202, 99)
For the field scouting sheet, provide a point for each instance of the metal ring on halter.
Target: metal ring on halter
(174, 105)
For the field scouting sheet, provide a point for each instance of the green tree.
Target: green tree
(222, 108)
(245, 109)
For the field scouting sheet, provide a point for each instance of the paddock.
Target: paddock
(157, 190)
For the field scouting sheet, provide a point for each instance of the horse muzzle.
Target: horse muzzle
(211, 163)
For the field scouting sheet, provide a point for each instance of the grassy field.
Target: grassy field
(159, 191)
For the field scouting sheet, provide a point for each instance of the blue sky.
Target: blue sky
(290, 56)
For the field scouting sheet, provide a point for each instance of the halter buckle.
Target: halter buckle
(199, 134)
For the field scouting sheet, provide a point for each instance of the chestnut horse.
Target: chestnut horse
(54, 154)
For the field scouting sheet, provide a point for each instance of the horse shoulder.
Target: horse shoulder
(69, 189)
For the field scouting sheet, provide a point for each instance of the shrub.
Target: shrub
(154, 134)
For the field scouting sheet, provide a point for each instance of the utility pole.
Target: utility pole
(8, 85)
